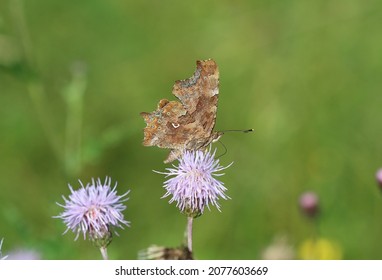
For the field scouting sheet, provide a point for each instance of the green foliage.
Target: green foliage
(304, 75)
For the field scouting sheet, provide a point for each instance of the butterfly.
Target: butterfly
(188, 123)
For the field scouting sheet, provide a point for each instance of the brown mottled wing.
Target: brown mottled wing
(162, 125)
(187, 124)
(199, 95)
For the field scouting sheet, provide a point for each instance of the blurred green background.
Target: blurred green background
(306, 75)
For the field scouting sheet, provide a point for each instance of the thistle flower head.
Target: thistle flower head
(94, 210)
(193, 185)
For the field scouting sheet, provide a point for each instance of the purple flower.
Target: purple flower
(194, 185)
(378, 176)
(24, 254)
(94, 209)
(309, 203)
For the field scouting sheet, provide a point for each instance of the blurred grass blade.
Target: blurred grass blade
(73, 95)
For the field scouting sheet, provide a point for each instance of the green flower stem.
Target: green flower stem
(104, 253)
(189, 233)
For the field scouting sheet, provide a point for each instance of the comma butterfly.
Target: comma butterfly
(186, 124)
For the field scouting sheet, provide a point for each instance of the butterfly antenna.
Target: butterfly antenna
(225, 149)
(238, 130)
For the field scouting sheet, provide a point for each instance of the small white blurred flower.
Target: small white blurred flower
(279, 249)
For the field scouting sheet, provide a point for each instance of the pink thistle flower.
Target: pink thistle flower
(193, 185)
(93, 210)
